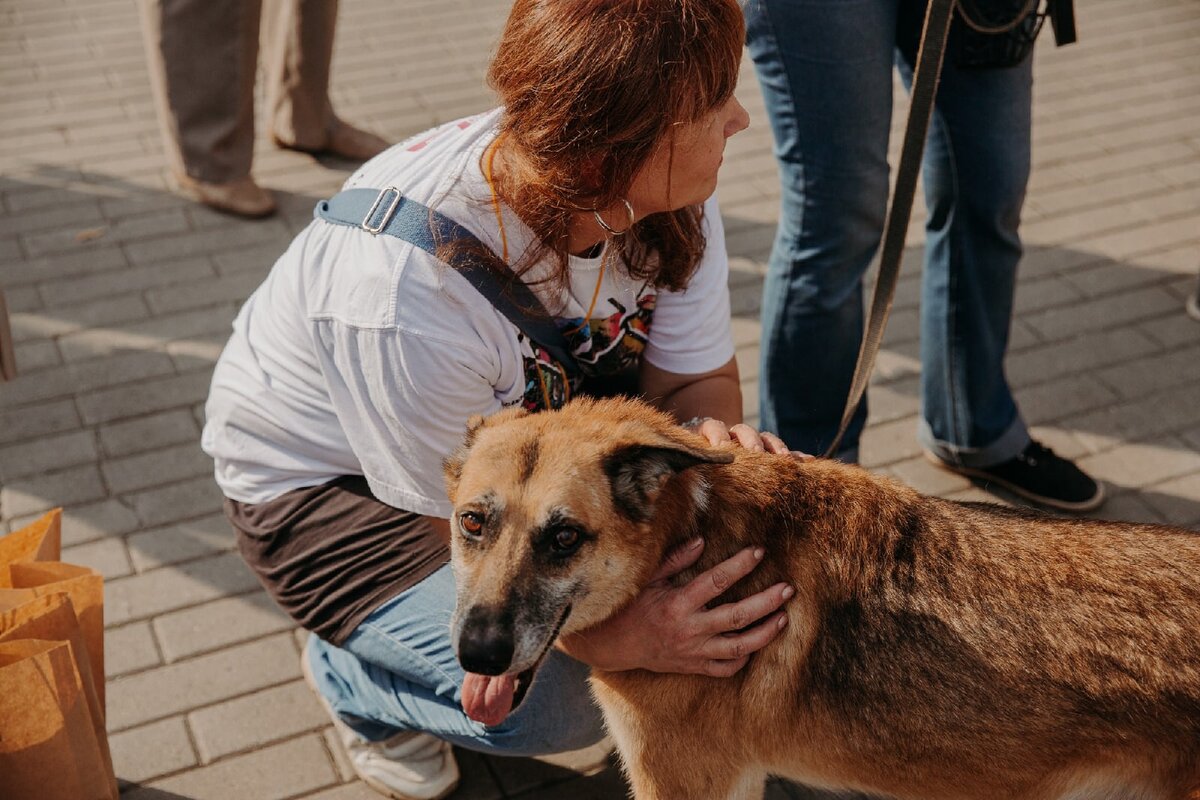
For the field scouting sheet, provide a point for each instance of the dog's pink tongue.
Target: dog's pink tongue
(488, 699)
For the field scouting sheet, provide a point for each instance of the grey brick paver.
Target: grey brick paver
(1143, 463)
(256, 720)
(154, 394)
(181, 541)
(890, 442)
(167, 690)
(1110, 277)
(135, 279)
(148, 433)
(34, 356)
(1171, 331)
(68, 320)
(200, 293)
(107, 556)
(1148, 375)
(274, 773)
(1177, 500)
(220, 623)
(129, 648)
(81, 235)
(1055, 360)
(85, 377)
(1059, 398)
(146, 334)
(39, 493)
(47, 453)
(116, 336)
(1106, 312)
(922, 475)
(341, 761)
(152, 750)
(154, 468)
(94, 260)
(179, 501)
(1127, 506)
(169, 588)
(1141, 419)
(28, 422)
(90, 521)
(228, 237)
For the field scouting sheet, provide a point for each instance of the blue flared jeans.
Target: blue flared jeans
(825, 67)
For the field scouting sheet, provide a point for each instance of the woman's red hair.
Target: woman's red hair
(590, 89)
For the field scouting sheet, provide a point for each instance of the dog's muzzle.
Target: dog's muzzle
(485, 642)
(486, 645)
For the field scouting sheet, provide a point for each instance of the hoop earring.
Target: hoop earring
(608, 228)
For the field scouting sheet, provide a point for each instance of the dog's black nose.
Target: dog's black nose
(485, 642)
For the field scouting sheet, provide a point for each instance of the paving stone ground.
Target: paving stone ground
(121, 296)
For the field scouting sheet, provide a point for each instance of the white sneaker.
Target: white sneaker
(409, 766)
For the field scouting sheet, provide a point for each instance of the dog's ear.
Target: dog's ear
(637, 473)
(452, 466)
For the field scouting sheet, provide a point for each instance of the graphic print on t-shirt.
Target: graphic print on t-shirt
(602, 346)
(607, 345)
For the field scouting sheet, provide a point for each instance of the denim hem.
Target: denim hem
(1008, 445)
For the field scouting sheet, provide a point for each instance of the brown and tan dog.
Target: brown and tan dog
(934, 649)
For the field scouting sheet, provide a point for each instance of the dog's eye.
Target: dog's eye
(566, 540)
(471, 523)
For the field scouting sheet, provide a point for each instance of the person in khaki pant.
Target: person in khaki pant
(203, 58)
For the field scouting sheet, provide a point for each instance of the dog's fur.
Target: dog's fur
(934, 650)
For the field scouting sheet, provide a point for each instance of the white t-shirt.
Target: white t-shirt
(363, 354)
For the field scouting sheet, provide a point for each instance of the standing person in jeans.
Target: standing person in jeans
(825, 67)
(352, 371)
(203, 58)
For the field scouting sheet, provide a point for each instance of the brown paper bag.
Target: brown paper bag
(52, 618)
(60, 608)
(29, 563)
(48, 746)
(84, 586)
(37, 541)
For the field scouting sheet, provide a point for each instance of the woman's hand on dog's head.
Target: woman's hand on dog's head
(669, 629)
(743, 435)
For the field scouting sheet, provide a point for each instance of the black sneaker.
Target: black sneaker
(1039, 475)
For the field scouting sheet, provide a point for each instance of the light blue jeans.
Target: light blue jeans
(825, 67)
(397, 671)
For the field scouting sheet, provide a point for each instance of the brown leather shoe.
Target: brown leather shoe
(345, 141)
(242, 197)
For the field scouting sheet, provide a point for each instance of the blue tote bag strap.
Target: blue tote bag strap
(390, 212)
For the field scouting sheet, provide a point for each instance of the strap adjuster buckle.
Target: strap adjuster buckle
(377, 228)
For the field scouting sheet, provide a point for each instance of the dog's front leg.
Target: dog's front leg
(750, 786)
(651, 786)
(667, 760)
(684, 783)
(671, 767)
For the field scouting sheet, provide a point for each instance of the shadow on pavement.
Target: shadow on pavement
(1102, 355)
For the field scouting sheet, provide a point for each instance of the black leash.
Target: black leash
(924, 88)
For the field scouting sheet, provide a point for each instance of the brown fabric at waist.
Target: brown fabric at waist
(329, 555)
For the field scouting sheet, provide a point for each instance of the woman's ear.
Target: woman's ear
(637, 473)
(592, 172)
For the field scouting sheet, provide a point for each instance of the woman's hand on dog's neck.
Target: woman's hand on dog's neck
(671, 629)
